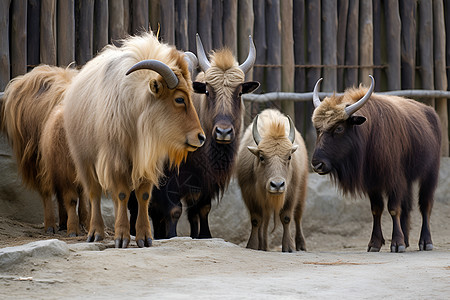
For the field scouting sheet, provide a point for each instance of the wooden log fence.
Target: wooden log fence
(405, 44)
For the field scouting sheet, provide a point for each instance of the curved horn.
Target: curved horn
(316, 99)
(350, 110)
(250, 61)
(191, 60)
(161, 68)
(202, 59)
(291, 130)
(255, 132)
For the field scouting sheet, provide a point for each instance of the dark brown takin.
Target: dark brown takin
(379, 146)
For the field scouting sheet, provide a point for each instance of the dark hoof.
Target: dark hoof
(373, 249)
(50, 230)
(98, 238)
(146, 243)
(398, 249)
(428, 247)
(119, 243)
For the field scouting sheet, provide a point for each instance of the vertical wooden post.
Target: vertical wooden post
(426, 47)
(139, 23)
(329, 34)
(408, 42)
(230, 25)
(167, 15)
(217, 33)
(126, 17)
(259, 38)
(101, 21)
(154, 15)
(204, 23)
(66, 32)
(439, 71)
(393, 28)
(116, 21)
(366, 40)
(84, 45)
(301, 114)
(4, 45)
(379, 44)
(192, 24)
(273, 35)
(18, 37)
(33, 33)
(181, 24)
(314, 56)
(48, 33)
(351, 44)
(287, 55)
(340, 43)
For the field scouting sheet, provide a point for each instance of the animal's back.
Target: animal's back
(28, 102)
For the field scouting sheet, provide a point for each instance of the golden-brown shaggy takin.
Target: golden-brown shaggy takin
(28, 103)
(272, 172)
(379, 145)
(126, 113)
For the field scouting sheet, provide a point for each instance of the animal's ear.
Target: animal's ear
(250, 86)
(253, 150)
(199, 87)
(156, 87)
(356, 120)
(294, 148)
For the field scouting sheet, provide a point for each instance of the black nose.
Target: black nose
(224, 131)
(201, 138)
(277, 185)
(319, 167)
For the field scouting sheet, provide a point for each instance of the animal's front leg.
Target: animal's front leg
(121, 226)
(96, 227)
(253, 241)
(143, 230)
(70, 204)
(49, 214)
(205, 233)
(287, 245)
(398, 239)
(377, 240)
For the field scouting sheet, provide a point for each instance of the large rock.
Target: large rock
(47, 248)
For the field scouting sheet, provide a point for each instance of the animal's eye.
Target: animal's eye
(207, 93)
(339, 129)
(289, 158)
(261, 158)
(179, 100)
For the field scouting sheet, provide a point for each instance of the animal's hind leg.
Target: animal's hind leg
(394, 207)
(70, 203)
(84, 211)
(405, 214)
(96, 225)
(62, 213)
(426, 200)
(300, 243)
(143, 231)
(49, 214)
(377, 205)
(193, 217)
(120, 195)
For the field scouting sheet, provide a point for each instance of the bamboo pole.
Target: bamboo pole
(154, 14)
(18, 37)
(426, 46)
(366, 40)
(408, 42)
(192, 25)
(230, 25)
(273, 35)
(379, 44)
(351, 44)
(287, 55)
(440, 75)
(393, 29)
(66, 32)
(259, 37)
(116, 21)
(4, 45)
(33, 33)
(48, 32)
(245, 23)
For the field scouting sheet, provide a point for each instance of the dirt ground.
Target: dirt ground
(335, 264)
